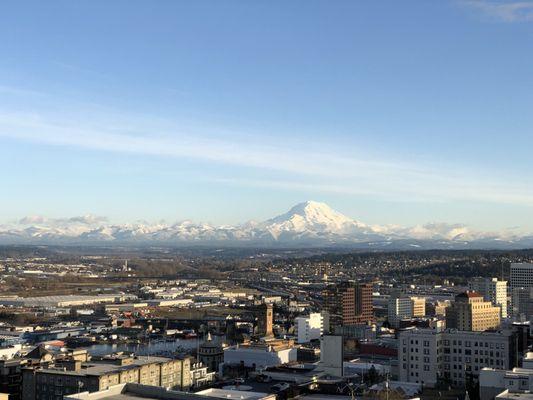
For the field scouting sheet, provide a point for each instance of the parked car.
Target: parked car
(280, 387)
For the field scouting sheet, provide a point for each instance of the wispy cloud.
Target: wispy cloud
(303, 167)
(81, 220)
(507, 11)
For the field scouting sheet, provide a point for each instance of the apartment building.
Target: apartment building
(11, 377)
(427, 356)
(70, 376)
(470, 312)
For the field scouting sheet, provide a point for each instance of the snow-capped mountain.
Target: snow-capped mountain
(306, 224)
(314, 220)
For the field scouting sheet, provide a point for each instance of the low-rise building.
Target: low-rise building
(309, 328)
(211, 354)
(201, 376)
(261, 355)
(72, 375)
(132, 391)
(494, 381)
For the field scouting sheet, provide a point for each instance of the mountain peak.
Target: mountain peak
(309, 217)
(311, 205)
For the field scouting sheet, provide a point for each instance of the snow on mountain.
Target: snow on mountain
(312, 219)
(430, 231)
(310, 223)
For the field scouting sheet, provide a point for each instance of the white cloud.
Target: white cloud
(303, 166)
(58, 222)
(508, 11)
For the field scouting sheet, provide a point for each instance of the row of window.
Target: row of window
(455, 342)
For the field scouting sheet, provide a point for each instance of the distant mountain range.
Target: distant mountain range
(308, 224)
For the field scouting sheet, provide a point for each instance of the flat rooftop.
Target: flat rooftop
(104, 367)
(506, 395)
(134, 391)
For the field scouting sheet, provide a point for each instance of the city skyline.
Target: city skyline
(229, 113)
(266, 200)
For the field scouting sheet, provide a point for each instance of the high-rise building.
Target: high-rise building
(419, 306)
(522, 302)
(401, 306)
(520, 282)
(470, 312)
(309, 327)
(521, 275)
(492, 290)
(348, 304)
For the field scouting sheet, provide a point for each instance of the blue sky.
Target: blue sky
(223, 111)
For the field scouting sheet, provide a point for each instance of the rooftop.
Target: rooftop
(102, 367)
(134, 391)
(506, 395)
(468, 295)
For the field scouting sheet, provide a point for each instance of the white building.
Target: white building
(426, 355)
(66, 300)
(404, 307)
(527, 361)
(332, 355)
(508, 395)
(492, 290)
(309, 328)
(399, 308)
(493, 381)
(200, 375)
(259, 356)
